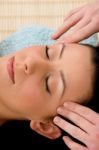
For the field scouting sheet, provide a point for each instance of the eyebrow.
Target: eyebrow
(62, 50)
(64, 82)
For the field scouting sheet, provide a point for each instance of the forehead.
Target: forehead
(78, 69)
(78, 51)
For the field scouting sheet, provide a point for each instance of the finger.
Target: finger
(76, 118)
(85, 112)
(81, 24)
(71, 129)
(73, 145)
(67, 25)
(72, 12)
(81, 34)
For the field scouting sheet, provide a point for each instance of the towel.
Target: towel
(34, 35)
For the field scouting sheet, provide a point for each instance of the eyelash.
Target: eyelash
(47, 78)
(46, 50)
(46, 84)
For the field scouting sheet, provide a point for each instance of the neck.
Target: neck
(6, 114)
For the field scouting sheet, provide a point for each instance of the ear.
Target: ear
(47, 129)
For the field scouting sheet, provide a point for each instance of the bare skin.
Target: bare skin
(79, 24)
(83, 117)
(44, 78)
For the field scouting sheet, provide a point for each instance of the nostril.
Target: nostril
(26, 67)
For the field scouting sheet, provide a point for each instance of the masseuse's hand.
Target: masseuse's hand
(80, 23)
(87, 129)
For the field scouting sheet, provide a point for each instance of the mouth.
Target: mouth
(10, 69)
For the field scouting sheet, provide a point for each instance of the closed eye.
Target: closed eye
(46, 85)
(46, 50)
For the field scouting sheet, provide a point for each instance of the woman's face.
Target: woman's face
(44, 77)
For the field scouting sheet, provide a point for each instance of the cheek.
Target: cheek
(31, 95)
(35, 104)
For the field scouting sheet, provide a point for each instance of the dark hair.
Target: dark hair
(94, 101)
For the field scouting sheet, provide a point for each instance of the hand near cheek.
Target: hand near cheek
(86, 129)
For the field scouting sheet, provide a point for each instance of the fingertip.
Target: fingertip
(54, 36)
(64, 137)
(56, 119)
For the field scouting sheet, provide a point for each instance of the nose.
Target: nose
(32, 65)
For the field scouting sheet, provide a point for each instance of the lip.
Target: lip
(10, 68)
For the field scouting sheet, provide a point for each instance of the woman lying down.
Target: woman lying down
(36, 80)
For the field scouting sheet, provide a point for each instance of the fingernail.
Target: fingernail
(56, 119)
(53, 36)
(59, 109)
(66, 104)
